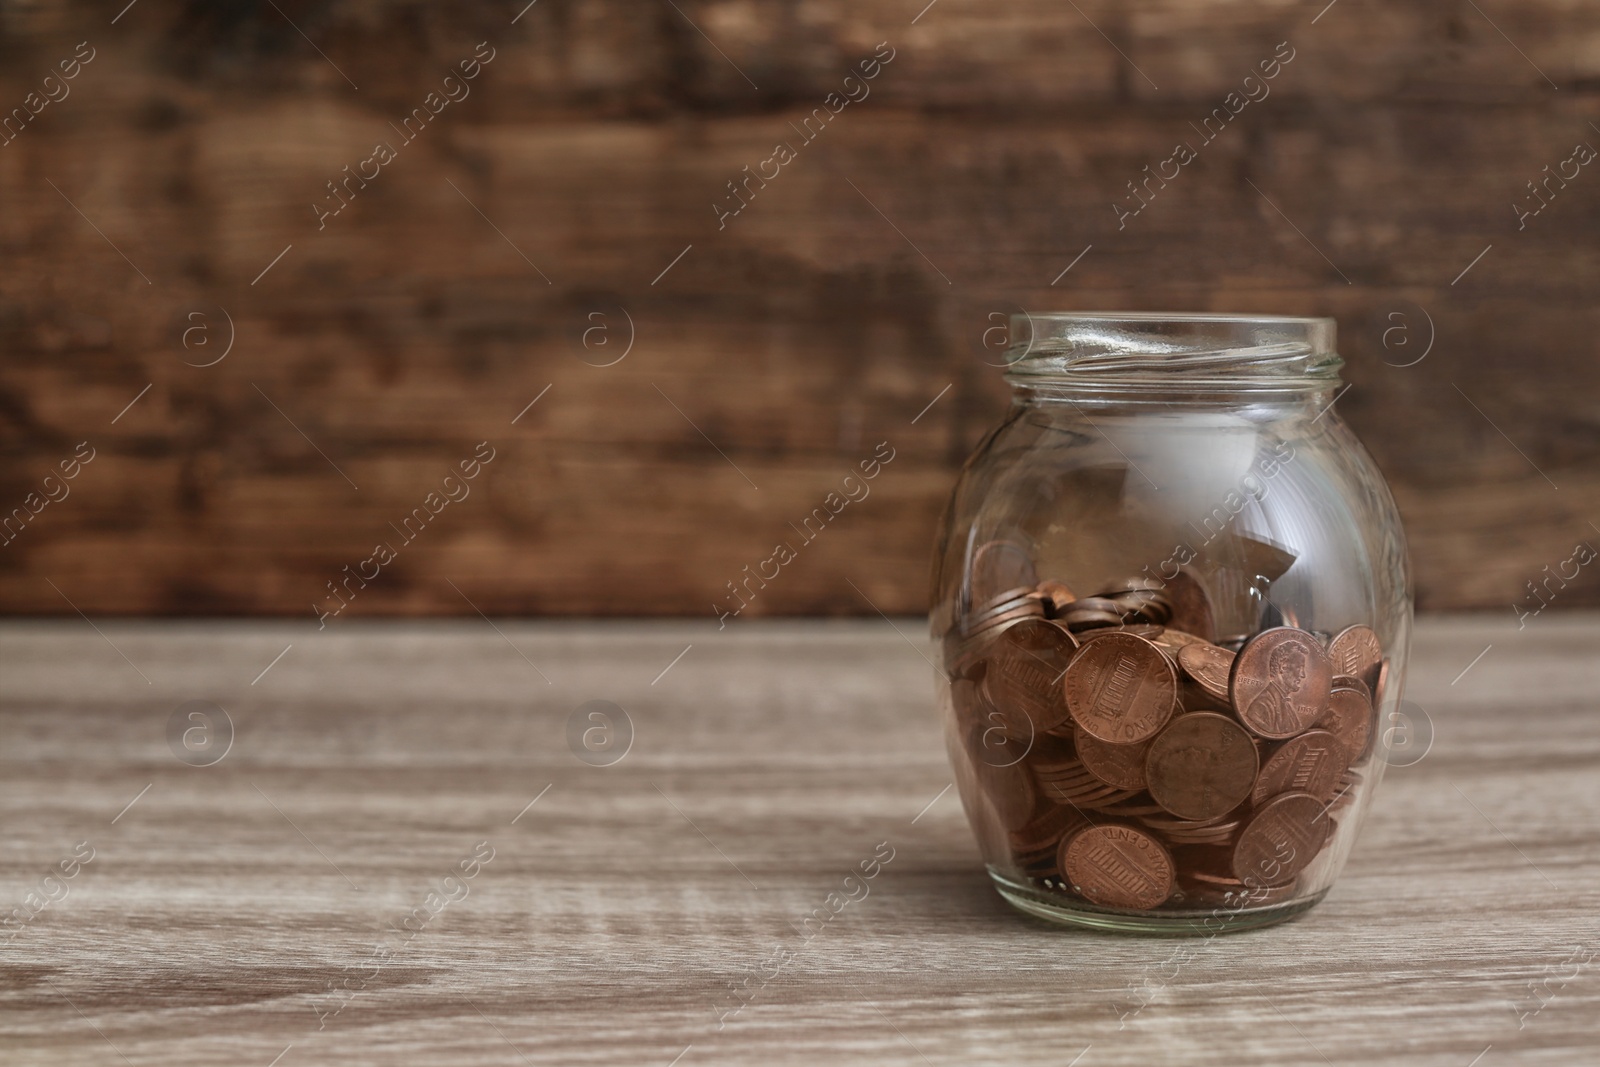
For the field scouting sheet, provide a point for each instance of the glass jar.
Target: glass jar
(1172, 599)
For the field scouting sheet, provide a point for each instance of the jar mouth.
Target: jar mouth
(1112, 350)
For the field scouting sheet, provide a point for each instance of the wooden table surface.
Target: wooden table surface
(274, 907)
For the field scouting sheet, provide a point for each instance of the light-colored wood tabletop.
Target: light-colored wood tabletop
(400, 859)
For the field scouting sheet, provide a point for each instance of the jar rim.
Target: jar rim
(1159, 349)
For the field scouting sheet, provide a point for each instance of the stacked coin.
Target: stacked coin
(1137, 764)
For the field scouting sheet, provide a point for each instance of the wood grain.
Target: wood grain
(850, 292)
(619, 911)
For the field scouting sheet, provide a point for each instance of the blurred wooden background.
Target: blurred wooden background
(457, 286)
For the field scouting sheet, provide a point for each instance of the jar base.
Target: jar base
(1062, 910)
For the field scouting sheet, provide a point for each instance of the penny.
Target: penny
(1171, 640)
(1280, 682)
(1221, 836)
(1382, 684)
(1149, 631)
(968, 702)
(992, 744)
(1016, 609)
(1232, 643)
(998, 566)
(1090, 620)
(1210, 667)
(1036, 847)
(1025, 670)
(1345, 796)
(1202, 766)
(1192, 698)
(1071, 638)
(1229, 893)
(1118, 765)
(1120, 688)
(1350, 719)
(1008, 786)
(1191, 606)
(1179, 832)
(1005, 597)
(1067, 781)
(1355, 651)
(1310, 763)
(1057, 593)
(1139, 606)
(1345, 681)
(1281, 840)
(1204, 866)
(1001, 610)
(1131, 808)
(1097, 603)
(1118, 866)
(975, 635)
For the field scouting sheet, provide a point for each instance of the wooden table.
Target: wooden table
(263, 910)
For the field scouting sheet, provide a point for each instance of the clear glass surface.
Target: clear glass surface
(1157, 475)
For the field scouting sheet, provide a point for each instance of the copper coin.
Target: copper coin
(1120, 688)
(1079, 621)
(1118, 765)
(1140, 606)
(1186, 832)
(1068, 781)
(1280, 682)
(1149, 631)
(1281, 840)
(1004, 598)
(990, 743)
(1132, 808)
(1016, 609)
(1171, 639)
(1382, 684)
(1057, 594)
(1210, 667)
(1025, 671)
(998, 566)
(1000, 611)
(965, 653)
(1202, 766)
(1346, 794)
(1036, 847)
(1191, 606)
(1010, 789)
(1311, 763)
(969, 705)
(1349, 718)
(1345, 681)
(1072, 639)
(1192, 698)
(1095, 603)
(1118, 866)
(1232, 895)
(1355, 651)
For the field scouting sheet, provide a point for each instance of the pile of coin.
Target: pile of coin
(1121, 752)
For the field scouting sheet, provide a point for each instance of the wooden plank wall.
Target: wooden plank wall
(141, 215)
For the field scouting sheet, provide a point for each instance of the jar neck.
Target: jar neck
(1308, 394)
(1171, 359)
